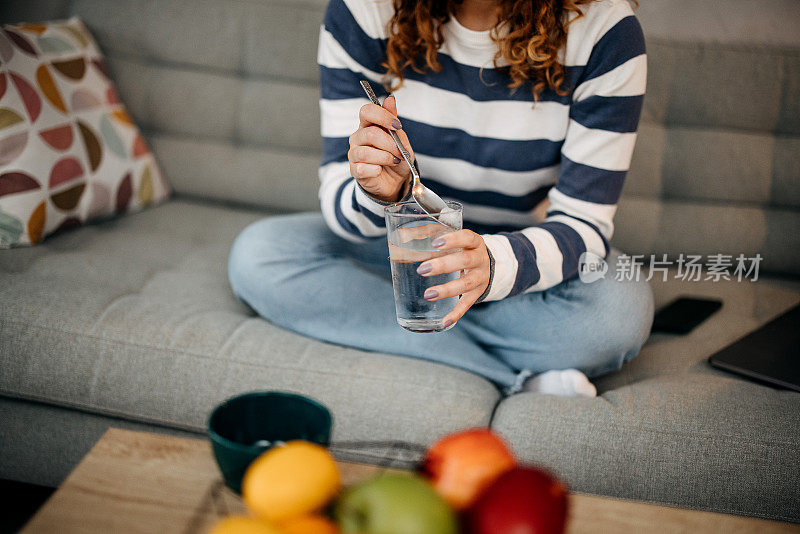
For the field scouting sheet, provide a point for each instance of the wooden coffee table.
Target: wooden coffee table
(150, 483)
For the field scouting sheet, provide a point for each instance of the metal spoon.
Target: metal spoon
(429, 201)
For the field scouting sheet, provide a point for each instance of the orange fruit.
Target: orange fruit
(309, 524)
(296, 479)
(240, 524)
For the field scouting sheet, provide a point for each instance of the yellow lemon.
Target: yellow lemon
(309, 524)
(295, 479)
(244, 525)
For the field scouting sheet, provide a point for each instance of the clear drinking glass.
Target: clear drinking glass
(410, 232)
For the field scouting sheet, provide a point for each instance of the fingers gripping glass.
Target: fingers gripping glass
(410, 232)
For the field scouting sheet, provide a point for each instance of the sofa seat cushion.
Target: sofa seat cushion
(670, 428)
(135, 318)
(746, 306)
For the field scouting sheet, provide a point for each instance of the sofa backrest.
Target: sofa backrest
(716, 167)
(227, 94)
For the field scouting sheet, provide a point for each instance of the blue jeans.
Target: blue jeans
(299, 275)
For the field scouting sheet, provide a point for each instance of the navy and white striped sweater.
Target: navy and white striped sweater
(491, 148)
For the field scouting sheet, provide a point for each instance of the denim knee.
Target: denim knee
(252, 251)
(267, 255)
(640, 310)
(241, 261)
(628, 309)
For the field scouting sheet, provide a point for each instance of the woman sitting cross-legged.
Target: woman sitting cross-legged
(525, 112)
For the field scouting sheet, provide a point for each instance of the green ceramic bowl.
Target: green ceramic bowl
(243, 427)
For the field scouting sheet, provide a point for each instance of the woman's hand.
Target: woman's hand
(473, 259)
(375, 160)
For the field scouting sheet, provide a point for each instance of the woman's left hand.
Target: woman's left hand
(473, 259)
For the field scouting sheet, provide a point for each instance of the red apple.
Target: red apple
(460, 466)
(524, 500)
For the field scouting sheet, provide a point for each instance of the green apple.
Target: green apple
(394, 504)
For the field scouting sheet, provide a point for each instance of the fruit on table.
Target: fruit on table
(309, 524)
(239, 524)
(524, 500)
(295, 479)
(461, 465)
(394, 504)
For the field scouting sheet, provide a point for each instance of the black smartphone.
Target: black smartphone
(682, 315)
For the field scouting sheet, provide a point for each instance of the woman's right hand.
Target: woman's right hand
(375, 161)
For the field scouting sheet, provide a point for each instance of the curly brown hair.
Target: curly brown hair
(537, 30)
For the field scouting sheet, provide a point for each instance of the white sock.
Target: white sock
(566, 383)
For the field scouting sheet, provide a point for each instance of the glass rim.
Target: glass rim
(454, 206)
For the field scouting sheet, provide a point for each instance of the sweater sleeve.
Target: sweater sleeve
(350, 49)
(604, 116)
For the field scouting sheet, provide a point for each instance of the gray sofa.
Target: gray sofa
(131, 322)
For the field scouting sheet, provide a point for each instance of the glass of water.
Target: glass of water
(410, 233)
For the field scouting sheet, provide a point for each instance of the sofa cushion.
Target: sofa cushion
(134, 318)
(69, 151)
(670, 428)
(239, 80)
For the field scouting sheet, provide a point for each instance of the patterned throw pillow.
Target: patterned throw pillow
(69, 151)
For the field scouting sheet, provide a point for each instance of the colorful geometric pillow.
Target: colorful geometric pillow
(69, 151)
